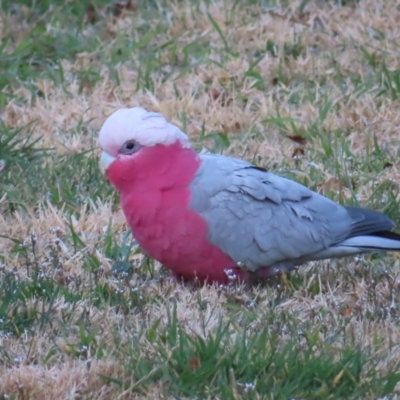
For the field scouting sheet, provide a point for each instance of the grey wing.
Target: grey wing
(259, 218)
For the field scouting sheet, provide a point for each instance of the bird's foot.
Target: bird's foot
(274, 270)
(265, 273)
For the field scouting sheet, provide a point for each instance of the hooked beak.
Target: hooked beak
(105, 161)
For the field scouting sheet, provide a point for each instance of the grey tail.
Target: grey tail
(383, 240)
(367, 222)
(371, 230)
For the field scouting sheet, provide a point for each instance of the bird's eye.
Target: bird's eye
(130, 147)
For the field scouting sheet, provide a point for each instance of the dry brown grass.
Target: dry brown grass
(223, 99)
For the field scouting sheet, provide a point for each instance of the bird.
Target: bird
(219, 219)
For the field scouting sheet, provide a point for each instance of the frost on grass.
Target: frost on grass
(307, 89)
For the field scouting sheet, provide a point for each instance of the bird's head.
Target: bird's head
(134, 137)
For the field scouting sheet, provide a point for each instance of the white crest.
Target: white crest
(146, 128)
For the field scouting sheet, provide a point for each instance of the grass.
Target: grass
(307, 89)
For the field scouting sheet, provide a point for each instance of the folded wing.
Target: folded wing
(261, 219)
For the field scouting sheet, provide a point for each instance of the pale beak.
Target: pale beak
(105, 161)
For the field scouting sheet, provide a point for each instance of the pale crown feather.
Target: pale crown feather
(146, 128)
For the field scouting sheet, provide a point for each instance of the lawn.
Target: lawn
(308, 89)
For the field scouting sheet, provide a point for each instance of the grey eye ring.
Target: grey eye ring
(130, 147)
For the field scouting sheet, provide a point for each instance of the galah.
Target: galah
(218, 218)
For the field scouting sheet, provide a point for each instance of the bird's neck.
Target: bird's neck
(156, 168)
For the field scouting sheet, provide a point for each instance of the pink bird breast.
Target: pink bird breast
(155, 197)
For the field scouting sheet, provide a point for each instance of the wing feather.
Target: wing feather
(259, 218)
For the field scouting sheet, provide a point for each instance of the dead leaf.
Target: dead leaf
(62, 279)
(334, 185)
(298, 152)
(346, 310)
(86, 85)
(124, 5)
(275, 80)
(91, 14)
(304, 16)
(220, 96)
(214, 93)
(298, 139)
(338, 377)
(194, 362)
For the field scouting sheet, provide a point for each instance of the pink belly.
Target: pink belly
(175, 235)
